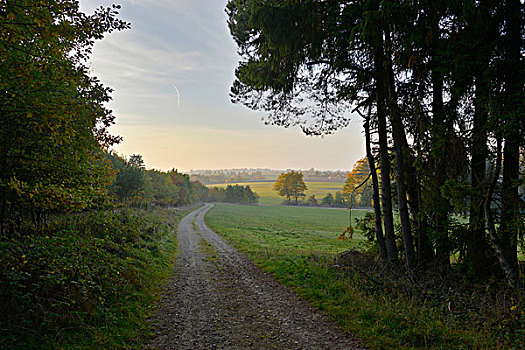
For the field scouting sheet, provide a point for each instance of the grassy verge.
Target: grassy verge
(88, 281)
(298, 246)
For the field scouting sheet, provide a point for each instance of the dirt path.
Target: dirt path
(218, 299)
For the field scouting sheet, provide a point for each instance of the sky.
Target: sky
(171, 75)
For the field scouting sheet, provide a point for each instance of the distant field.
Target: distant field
(270, 197)
(284, 230)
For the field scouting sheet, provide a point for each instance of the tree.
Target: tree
(53, 115)
(340, 200)
(130, 178)
(435, 101)
(312, 200)
(290, 185)
(357, 184)
(248, 196)
(328, 200)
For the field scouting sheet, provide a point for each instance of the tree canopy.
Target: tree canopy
(440, 89)
(357, 186)
(53, 112)
(290, 184)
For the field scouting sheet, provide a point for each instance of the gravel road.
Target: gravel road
(218, 299)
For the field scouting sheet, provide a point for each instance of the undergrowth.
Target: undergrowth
(389, 310)
(86, 281)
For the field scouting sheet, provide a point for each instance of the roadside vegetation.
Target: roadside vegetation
(86, 281)
(380, 305)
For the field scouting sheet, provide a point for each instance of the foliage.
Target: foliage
(129, 180)
(233, 194)
(312, 200)
(290, 184)
(53, 119)
(444, 107)
(340, 200)
(366, 226)
(88, 281)
(357, 187)
(136, 185)
(328, 200)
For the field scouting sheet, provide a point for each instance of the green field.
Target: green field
(297, 245)
(268, 196)
(283, 230)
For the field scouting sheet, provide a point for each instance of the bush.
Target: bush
(87, 279)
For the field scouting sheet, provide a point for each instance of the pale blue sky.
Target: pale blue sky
(185, 45)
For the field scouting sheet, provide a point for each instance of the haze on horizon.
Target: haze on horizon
(172, 102)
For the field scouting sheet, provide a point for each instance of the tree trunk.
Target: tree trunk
(425, 253)
(439, 153)
(398, 136)
(375, 185)
(510, 201)
(386, 190)
(510, 215)
(478, 254)
(511, 271)
(3, 214)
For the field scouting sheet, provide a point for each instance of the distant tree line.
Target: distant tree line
(440, 89)
(210, 177)
(233, 194)
(136, 185)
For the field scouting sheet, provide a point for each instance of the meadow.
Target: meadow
(285, 230)
(299, 247)
(268, 196)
